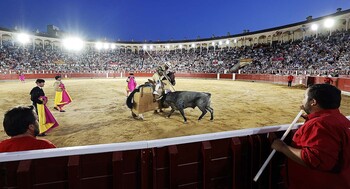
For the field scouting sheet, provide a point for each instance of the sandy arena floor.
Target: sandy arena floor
(98, 113)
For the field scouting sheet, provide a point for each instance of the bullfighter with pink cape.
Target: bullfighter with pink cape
(131, 84)
(22, 77)
(62, 97)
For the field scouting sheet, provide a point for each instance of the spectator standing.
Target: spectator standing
(21, 125)
(290, 80)
(328, 80)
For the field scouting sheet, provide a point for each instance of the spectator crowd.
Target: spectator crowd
(321, 55)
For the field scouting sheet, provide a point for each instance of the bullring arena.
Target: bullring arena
(98, 114)
(100, 144)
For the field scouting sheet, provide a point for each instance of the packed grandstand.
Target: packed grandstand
(212, 160)
(317, 53)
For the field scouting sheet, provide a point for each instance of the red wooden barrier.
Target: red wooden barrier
(237, 177)
(343, 83)
(221, 163)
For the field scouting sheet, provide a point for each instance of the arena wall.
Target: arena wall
(216, 160)
(343, 83)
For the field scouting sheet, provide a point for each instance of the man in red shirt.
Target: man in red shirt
(328, 80)
(290, 80)
(319, 156)
(21, 124)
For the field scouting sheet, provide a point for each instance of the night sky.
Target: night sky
(159, 19)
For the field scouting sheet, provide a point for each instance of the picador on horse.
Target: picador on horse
(147, 97)
(162, 80)
(160, 93)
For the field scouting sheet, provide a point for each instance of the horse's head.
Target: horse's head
(171, 76)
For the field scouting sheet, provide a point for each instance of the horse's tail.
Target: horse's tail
(129, 100)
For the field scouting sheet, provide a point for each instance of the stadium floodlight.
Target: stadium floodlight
(180, 46)
(73, 43)
(235, 40)
(212, 43)
(328, 23)
(227, 42)
(23, 38)
(144, 47)
(112, 46)
(167, 46)
(314, 27)
(193, 45)
(151, 47)
(98, 45)
(220, 42)
(105, 45)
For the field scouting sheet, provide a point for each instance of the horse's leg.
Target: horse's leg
(133, 114)
(160, 106)
(160, 110)
(211, 110)
(204, 111)
(141, 116)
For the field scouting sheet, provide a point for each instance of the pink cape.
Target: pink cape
(48, 115)
(66, 98)
(50, 118)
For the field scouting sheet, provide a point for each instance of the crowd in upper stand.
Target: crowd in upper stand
(321, 55)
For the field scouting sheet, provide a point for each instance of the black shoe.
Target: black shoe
(56, 108)
(62, 110)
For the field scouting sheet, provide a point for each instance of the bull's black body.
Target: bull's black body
(180, 100)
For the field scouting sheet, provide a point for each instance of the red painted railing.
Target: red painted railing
(343, 83)
(217, 160)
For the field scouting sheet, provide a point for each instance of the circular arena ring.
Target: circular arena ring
(99, 115)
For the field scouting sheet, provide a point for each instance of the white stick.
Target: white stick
(274, 151)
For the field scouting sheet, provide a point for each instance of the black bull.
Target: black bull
(180, 100)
